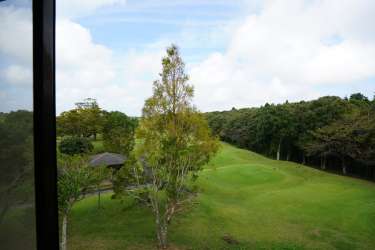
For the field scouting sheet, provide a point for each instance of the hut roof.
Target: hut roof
(107, 159)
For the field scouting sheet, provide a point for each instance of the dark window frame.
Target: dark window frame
(45, 167)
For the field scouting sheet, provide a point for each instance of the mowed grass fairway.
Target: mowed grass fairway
(261, 203)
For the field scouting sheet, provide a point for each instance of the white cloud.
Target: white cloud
(281, 53)
(222, 83)
(283, 50)
(87, 69)
(82, 65)
(18, 75)
(16, 33)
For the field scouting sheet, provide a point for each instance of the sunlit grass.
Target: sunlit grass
(261, 203)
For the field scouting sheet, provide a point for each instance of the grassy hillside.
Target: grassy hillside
(258, 202)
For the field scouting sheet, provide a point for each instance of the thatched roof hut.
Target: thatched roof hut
(107, 159)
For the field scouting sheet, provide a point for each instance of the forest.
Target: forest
(332, 133)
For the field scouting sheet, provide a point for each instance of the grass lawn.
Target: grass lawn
(261, 203)
(98, 146)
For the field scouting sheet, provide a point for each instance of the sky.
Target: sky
(238, 53)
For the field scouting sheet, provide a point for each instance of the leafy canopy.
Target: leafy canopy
(173, 144)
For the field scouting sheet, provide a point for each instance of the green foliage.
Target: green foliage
(75, 145)
(294, 131)
(98, 175)
(174, 142)
(85, 120)
(350, 138)
(74, 178)
(16, 159)
(118, 132)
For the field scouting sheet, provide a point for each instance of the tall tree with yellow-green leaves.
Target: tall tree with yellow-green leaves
(173, 144)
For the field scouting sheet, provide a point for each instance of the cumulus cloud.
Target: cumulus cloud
(84, 68)
(15, 57)
(16, 33)
(288, 50)
(282, 50)
(82, 65)
(18, 75)
(87, 69)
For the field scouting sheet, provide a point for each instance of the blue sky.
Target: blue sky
(139, 24)
(238, 53)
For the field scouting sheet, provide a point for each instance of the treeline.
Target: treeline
(87, 120)
(334, 133)
(16, 163)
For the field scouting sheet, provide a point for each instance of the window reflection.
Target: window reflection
(17, 215)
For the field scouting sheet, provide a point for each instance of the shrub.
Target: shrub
(75, 145)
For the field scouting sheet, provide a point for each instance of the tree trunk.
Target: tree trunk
(63, 232)
(161, 230)
(303, 159)
(162, 235)
(323, 162)
(278, 151)
(344, 172)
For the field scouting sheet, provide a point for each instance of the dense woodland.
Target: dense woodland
(333, 133)
(16, 179)
(16, 159)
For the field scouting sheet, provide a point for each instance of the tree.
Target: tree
(91, 116)
(358, 97)
(174, 144)
(75, 145)
(292, 130)
(339, 139)
(69, 123)
(85, 120)
(118, 133)
(16, 159)
(74, 178)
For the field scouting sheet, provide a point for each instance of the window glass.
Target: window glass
(17, 214)
(216, 124)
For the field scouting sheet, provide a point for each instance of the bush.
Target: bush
(75, 145)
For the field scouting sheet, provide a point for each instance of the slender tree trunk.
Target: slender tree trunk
(323, 162)
(160, 221)
(303, 159)
(278, 151)
(162, 235)
(63, 232)
(288, 156)
(344, 172)
(161, 229)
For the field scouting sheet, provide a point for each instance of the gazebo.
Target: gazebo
(111, 160)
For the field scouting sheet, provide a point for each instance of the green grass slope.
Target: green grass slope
(258, 202)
